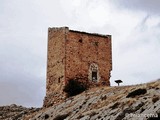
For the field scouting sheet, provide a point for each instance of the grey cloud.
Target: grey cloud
(149, 6)
(23, 48)
(138, 58)
(23, 45)
(22, 90)
(22, 77)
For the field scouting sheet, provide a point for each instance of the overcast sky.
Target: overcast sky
(133, 24)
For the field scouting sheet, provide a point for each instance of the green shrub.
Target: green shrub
(46, 116)
(155, 99)
(75, 86)
(115, 105)
(61, 117)
(136, 93)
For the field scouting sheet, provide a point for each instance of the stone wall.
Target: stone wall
(74, 54)
(56, 59)
(84, 50)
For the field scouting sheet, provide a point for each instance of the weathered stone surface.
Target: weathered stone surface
(108, 103)
(15, 112)
(74, 53)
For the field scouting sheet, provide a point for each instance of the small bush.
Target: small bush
(46, 116)
(136, 92)
(115, 105)
(61, 117)
(155, 99)
(93, 113)
(80, 116)
(103, 97)
(75, 87)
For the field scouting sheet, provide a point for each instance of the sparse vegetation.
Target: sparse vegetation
(80, 116)
(115, 105)
(136, 92)
(75, 86)
(130, 102)
(129, 110)
(97, 103)
(103, 97)
(155, 99)
(46, 116)
(93, 113)
(61, 117)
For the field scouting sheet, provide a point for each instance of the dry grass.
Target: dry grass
(130, 101)
(155, 99)
(155, 84)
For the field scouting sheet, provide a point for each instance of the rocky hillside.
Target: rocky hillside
(15, 112)
(108, 103)
(139, 102)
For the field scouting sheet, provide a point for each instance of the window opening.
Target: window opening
(94, 75)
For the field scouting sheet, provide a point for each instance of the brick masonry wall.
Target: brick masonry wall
(56, 59)
(72, 54)
(82, 50)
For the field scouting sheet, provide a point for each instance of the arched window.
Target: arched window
(93, 72)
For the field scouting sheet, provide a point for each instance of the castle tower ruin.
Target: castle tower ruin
(74, 53)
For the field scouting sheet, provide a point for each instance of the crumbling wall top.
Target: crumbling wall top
(93, 34)
(82, 32)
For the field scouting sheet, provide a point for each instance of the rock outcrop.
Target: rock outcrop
(108, 103)
(15, 112)
(138, 102)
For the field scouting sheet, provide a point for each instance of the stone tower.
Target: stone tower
(74, 53)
